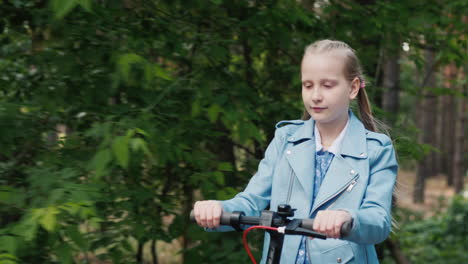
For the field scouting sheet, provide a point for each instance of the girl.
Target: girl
(330, 165)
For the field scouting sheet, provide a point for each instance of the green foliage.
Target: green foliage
(439, 239)
(62, 7)
(114, 114)
(231, 243)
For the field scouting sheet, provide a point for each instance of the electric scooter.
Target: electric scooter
(277, 224)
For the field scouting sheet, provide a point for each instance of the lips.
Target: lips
(318, 109)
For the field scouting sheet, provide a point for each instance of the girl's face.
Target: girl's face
(325, 90)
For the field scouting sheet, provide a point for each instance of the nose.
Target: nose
(316, 95)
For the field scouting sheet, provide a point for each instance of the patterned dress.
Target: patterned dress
(323, 160)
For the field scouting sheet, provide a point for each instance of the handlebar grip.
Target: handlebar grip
(192, 217)
(345, 228)
(308, 223)
(225, 217)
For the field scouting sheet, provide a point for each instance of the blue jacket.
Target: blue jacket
(360, 180)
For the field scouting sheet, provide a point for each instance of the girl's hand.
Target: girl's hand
(329, 222)
(208, 213)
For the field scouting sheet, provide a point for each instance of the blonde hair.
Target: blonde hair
(352, 70)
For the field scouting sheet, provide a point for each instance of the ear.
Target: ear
(355, 86)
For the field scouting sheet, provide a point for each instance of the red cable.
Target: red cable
(244, 239)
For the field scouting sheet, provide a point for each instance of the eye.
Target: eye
(307, 86)
(328, 85)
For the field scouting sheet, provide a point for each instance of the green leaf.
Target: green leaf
(226, 193)
(213, 112)
(64, 253)
(86, 211)
(126, 245)
(27, 227)
(125, 62)
(120, 149)
(62, 7)
(49, 219)
(161, 72)
(6, 258)
(86, 4)
(94, 222)
(76, 236)
(71, 208)
(7, 192)
(8, 244)
(138, 144)
(100, 161)
(219, 177)
(225, 166)
(196, 108)
(141, 132)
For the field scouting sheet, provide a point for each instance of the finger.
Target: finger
(209, 215)
(316, 225)
(337, 223)
(337, 227)
(217, 211)
(196, 212)
(324, 223)
(329, 223)
(203, 216)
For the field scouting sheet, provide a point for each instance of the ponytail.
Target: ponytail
(365, 113)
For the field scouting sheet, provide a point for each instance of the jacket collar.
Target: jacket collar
(304, 132)
(355, 140)
(354, 143)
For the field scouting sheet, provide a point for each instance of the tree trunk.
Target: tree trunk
(139, 255)
(439, 138)
(390, 82)
(154, 254)
(458, 168)
(449, 124)
(426, 125)
(421, 170)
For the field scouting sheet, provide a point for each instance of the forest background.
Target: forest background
(116, 115)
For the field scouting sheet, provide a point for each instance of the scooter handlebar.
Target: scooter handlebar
(238, 218)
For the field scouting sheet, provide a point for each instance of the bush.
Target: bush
(439, 239)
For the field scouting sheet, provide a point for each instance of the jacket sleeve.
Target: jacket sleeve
(257, 194)
(372, 221)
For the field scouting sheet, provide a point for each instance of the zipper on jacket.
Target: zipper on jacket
(348, 190)
(348, 187)
(353, 182)
(291, 183)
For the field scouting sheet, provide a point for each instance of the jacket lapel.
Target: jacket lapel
(341, 172)
(301, 156)
(338, 177)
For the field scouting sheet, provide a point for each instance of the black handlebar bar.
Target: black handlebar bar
(276, 219)
(235, 219)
